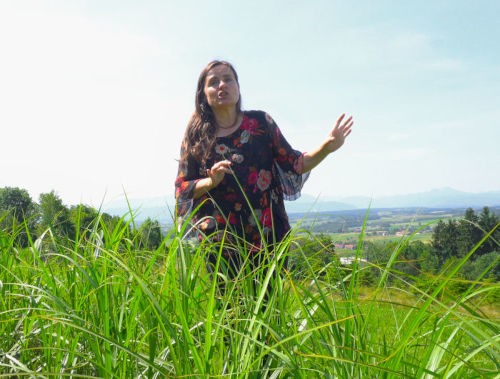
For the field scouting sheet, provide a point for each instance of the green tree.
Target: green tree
(468, 232)
(16, 207)
(487, 221)
(414, 254)
(150, 234)
(55, 215)
(444, 240)
(320, 251)
(367, 277)
(473, 269)
(83, 217)
(429, 262)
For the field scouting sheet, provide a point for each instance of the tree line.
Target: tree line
(452, 239)
(28, 220)
(418, 264)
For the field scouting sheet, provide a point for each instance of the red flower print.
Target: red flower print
(266, 219)
(232, 218)
(230, 196)
(276, 137)
(264, 179)
(220, 219)
(252, 125)
(252, 178)
(249, 124)
(221, 149)
(238, 158)
(263, 200)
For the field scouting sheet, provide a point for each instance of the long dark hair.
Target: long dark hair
(199, 139)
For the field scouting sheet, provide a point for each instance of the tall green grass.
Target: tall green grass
(101, 306)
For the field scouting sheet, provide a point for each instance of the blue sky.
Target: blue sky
(95, 95)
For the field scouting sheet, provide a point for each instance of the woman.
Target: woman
(238, 165)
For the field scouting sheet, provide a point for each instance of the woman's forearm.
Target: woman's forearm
(313, 158)
(201, 187)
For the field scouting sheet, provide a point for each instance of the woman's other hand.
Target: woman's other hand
(217, 172)
(213, 179)
(334, 141)
(339, 133)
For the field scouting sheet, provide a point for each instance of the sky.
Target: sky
(95, 95)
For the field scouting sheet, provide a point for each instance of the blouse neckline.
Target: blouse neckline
(235, 130)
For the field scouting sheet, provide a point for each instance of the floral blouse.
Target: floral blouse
(268, 171)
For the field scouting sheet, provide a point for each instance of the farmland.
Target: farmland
(382, 225)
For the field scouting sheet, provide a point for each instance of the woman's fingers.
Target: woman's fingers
(225, 170)
(340, 119)
(347, 128)
(337, 124)
(341, 126)
(347, 123)
(222, 164)
(343, 129)
(220, 167)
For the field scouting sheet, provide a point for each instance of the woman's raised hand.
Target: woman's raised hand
(339, 133)
(217, 172)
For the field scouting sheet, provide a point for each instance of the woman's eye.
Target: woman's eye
(212, 82)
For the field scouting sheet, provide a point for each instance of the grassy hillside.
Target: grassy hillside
(103, 306)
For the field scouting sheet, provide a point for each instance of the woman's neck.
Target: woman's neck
(226, 118)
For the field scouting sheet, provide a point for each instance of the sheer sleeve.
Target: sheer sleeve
(187, 177)
(289, 163)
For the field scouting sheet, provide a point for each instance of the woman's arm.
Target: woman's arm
(215, 176)
(334, 141)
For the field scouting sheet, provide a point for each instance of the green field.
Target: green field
(104, 306)
(354, 238)
(379, 225)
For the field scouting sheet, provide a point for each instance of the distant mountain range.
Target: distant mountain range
(436, 198)
(161, 208)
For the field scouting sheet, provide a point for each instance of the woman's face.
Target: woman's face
(221, 88)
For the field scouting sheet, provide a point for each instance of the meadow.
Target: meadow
(103, 305)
